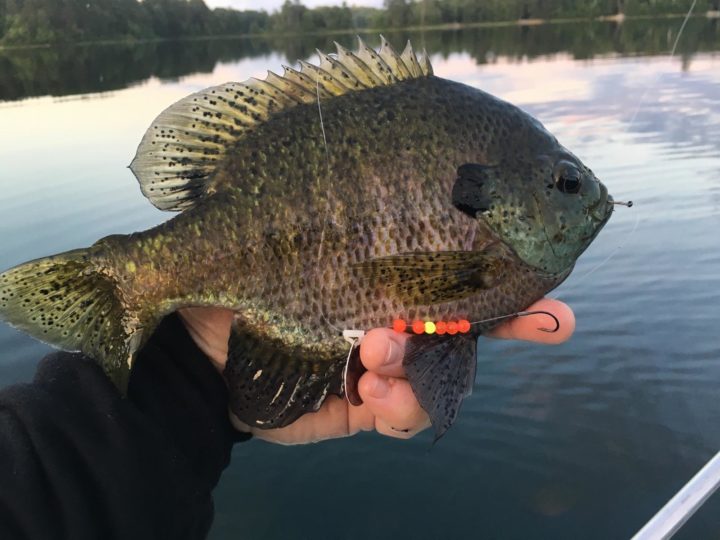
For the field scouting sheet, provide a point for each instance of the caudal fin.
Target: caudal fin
(64, 301)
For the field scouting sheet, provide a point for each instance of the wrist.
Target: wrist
(209, 328)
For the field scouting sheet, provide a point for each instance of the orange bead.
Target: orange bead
(418, 327)
(464, 326)
(440, 327)
(399, 325)
(452, 328)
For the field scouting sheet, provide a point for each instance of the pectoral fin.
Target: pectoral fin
(271, 386)
(441, 372)
(425, 278)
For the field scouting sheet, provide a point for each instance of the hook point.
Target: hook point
(541, 312)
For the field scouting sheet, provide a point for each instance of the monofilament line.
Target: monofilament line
(672, 55)
(632, 121)
(327, 209)
(322, 124)
(603, 262)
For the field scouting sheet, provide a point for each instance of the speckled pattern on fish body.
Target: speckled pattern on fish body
(416, 198)
(279, 237)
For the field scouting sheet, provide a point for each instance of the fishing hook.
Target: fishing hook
(526, 314)
(541, 312)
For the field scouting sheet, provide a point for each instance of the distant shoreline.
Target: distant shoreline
(438, 27)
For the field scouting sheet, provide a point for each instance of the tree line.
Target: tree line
(52, 21)
(60, 71)
(435, 12)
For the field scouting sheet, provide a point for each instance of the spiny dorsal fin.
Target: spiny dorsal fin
(393, 60)
(411, 61)
(182, 147)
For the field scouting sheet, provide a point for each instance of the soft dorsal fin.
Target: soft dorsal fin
(182, 147)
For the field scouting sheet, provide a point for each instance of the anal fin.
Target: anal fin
(271, 386)
(441, 372)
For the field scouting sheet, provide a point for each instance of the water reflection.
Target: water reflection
(60, 71)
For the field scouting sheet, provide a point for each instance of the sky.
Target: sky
(270, 5)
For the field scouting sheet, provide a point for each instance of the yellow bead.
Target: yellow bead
(429, 327)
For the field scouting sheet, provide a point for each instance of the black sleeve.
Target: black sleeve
(77, 461)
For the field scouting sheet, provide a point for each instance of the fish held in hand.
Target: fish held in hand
(345, 195)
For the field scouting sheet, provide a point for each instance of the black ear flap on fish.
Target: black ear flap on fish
(471, 193)
(270, 386)
(441, 372)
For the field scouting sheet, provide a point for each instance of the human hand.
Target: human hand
(388, 400)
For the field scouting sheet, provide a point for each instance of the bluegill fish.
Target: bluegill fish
(343, 195)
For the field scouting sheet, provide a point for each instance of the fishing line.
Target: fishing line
(671, 517)
(614, 252)
(463, 326)
(322, 124)
(672, 55)
(327, 201)
(429, 324)
(628, 204)
(627, 129)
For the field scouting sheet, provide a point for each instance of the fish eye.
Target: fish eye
(568, 178)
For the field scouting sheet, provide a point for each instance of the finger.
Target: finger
(392, 402)
(529, 328)
(382, 351)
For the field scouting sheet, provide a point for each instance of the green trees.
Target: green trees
(230, 21)
(398, 13)
(52, 21)
(294, 17)
(45, 21)
(172, 18)
(434, 12)
(334, 17)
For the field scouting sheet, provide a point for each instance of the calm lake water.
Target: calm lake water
(584, 440)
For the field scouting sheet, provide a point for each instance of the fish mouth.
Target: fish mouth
(603, 209)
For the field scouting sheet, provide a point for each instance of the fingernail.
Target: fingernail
(391, 352)
(381, 388)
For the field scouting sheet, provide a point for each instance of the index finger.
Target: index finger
(529, 328)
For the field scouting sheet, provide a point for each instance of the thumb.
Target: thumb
(382, 351)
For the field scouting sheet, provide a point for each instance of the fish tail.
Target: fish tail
(66, 301)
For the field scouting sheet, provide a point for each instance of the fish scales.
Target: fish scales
(416, 198)
(304, 218)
